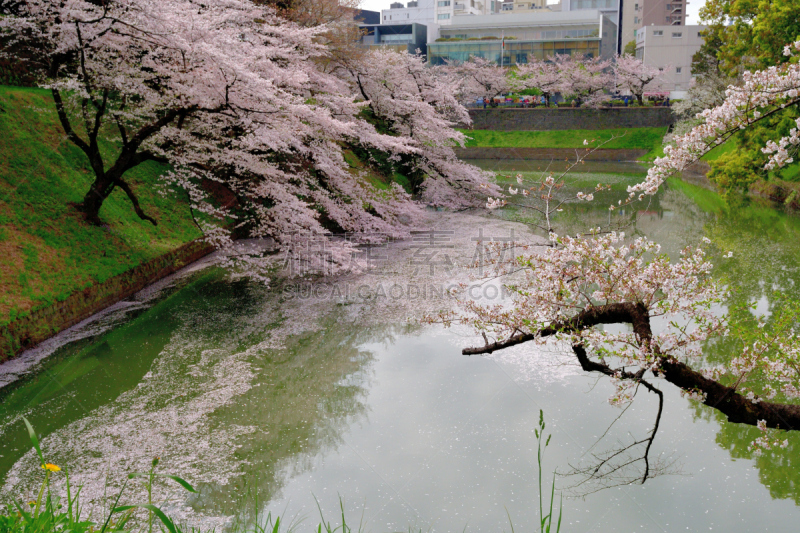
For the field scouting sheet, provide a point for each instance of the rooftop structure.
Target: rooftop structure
(609, 9)
(435, 13)
(367, 17)
(523, 6)
(402, 37)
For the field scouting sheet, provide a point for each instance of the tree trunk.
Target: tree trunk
(95, 197)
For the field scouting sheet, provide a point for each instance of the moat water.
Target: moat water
(271, 399)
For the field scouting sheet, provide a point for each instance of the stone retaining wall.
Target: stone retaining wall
(543, 119)
(44, 322)
(556, 154)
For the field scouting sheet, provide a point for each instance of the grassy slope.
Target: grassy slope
(635, 138)
(46, 250)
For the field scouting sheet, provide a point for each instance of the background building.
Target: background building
(609, 9)
(670, 48)
(630, 21)
(364, 16)
(436, 13)
(663, 12)
(401, 37)
(529, 35)
(523, 6)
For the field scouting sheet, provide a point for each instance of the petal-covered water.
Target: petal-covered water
(270, 400)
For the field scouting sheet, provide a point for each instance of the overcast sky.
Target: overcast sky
(377, 5)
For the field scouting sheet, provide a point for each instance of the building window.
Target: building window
(636, 7)
(636, 20)
(444, 16)
(678, 70)
(677, 35)
(657, 33)
(443, 3)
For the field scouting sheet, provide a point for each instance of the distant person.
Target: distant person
(626, 100)
(666, 102)
(484, 101)
(544, 101)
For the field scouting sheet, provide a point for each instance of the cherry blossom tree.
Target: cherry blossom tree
(760, 95)
(636, 77)
(312, 13)
(543, 75)
(588, 80)
(577, 284)
(478, 77)
(416, 104)
(235, 99)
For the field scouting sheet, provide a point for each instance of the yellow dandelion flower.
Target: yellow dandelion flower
(51, 467)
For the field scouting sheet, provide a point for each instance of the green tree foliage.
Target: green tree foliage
(630, 48)
(748, 35)
(751, 33)
(739, 169)
(705, 62)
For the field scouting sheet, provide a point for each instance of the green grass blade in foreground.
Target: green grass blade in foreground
(182, 482)
(152, 508)
(34, 439)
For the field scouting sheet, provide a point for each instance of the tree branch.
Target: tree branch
(725, 399)
(135, 201)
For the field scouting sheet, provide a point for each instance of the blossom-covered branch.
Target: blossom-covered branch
(574, 287)
(760, 95)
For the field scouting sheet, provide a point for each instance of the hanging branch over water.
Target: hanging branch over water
(576, 285)
(579, 284)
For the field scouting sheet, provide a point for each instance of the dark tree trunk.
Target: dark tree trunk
(725, 399)
(95, 197)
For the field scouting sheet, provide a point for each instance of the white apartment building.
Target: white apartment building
(435, 13)
(419, 12)
(522, 6)
(670, 48)
(630, 21)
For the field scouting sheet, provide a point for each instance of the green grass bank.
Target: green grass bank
(649, 139)
(47, 251)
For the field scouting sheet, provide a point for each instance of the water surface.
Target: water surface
(334, 392)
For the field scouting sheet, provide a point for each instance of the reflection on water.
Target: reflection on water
(249, 391)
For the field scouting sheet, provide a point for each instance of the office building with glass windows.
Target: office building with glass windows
(585, 33)
(609, 8)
